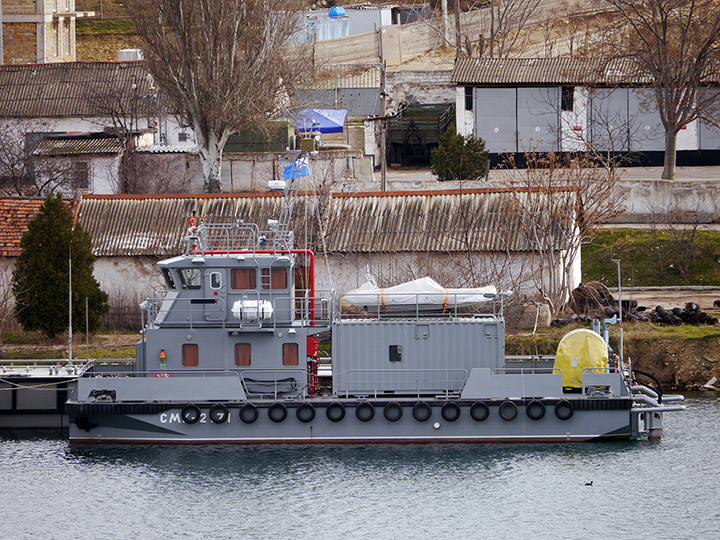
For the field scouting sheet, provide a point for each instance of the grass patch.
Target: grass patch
(653, 258)
(104, 26)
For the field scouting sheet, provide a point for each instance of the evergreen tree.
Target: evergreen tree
(40, 281)
(459, 157)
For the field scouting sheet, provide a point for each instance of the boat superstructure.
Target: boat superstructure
(231, 354)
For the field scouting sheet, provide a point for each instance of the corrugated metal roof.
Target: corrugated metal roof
(546, 71)
(168, 149)
(69, 89)
(77, 145)
(453, 221)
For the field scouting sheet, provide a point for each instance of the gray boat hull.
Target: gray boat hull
(606, 419)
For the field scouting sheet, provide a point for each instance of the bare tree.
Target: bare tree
(676, 44)
(508, 19)
(21, 172)
(223, 63)
(559, 205)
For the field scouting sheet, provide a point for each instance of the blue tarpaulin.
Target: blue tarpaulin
(297, 169)
(326, 120)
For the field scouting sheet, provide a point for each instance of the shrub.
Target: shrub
(459, 157)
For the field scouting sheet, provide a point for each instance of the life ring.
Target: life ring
(305, 413)
(248, 413)
(507, 410)
(190, 413)
(277, 412)
(163, 375)
(219, 413)
(335, 411)
(535, 409)
(393, 411)
(564, 410)
(479, 411)
(422, 411)
(365, 411)
(450, 412)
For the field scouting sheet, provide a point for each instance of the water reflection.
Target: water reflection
(367, 491)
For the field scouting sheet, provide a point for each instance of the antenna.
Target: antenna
(617, 261)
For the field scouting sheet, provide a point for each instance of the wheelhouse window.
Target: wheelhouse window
(242, 354)
(190, 278)
(169, 281)
(215, 280)
(395, 353)
(243, 278)
(290, 354)
(274, 278)
(190, 355)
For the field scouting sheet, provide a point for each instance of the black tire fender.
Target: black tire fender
(248, 413)
(365, 411)
(508, 410)
(305, 412)
(219, 413)
(277, 412)
(535, 409)
(190, 413)
(393, 411)
(450, 412)
(422, 411)
(564, 410)
(335, 411)
(479, 411)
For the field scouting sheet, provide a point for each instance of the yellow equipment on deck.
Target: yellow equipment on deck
(580, 350)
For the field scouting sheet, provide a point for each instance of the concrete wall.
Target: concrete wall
(420, 86)
(670, 201)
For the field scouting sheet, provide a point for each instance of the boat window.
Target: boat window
(242, 354)
(190, 278)
(243, 278)
(290, 354)
(190, 354)
(169, 281)
(215, 280)
(274, 278)
(395, 353)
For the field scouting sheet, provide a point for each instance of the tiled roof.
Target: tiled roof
(70, 89)
(73, 145)
(546, 71)
(15, 215)
(441, 221)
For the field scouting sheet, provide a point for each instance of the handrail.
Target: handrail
(420, 386)
(293, 379)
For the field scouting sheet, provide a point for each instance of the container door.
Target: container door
(215, 283)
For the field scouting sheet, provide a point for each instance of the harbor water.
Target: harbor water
(668, 489)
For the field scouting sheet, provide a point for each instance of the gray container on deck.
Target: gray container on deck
(409, 357)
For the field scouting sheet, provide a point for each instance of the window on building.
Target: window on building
(67, 38)
(190, 355)
(56, 37)
(395, 353)
(468, 98)
(274, 278)
(242, 354)
(568, 94)
(290, 354)
(80, 174)
(190, 278)
(243, 278)
(183, 137)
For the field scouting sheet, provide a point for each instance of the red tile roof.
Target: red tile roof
(15, 214)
